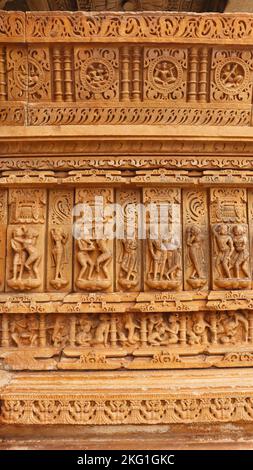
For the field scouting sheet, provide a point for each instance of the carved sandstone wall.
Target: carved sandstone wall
(135, 109)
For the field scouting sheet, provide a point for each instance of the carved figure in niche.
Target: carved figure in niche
(84, 258)
(194, 241)
(232, 75)
(24, 330)
(165, 73)
(59, 239)
(229, 325)
(19, 254)
(165, 266)
(128, 324)
(104, 258)
(224, 248)
(157, 330)
(231, 257)
(97, 75)
(173, 329)
(198, 334)
(84, 336)
(26, 258)
(95, 255)
(60, 334)
(241, 254)
(128, 264)
(101, 334)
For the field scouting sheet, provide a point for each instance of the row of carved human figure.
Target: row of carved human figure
(164, 265)
(127, 330)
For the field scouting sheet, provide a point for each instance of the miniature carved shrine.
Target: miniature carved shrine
(134, 109)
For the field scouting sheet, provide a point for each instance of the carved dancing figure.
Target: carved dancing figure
(84, 336)
(173, 329)
(224, 248)
(131, 328)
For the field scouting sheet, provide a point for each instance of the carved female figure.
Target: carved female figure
(241, 254)
(20, 255)
(195, 252)
(59, 239)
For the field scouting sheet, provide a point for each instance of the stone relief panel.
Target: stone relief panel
(25, 240)
(130, 340)
(60, 241)
(128, 248)
(3, 230)
(39, 74)
(165, 72)
(230, 237)
(196, 269)
(231, 76)
(163, 261)
(97, 74)
(94, 255)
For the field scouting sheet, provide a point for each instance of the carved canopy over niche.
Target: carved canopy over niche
(115, 5)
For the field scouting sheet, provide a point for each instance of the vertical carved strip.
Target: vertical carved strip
(42, 331)
(57, 68)
(68, 76)
(213, 323)
(94, 249)
(196, 266)
(250, 333)
(193, 75)
(144, 335)
(183, 330)
(5, 331)
(3, 235)
(203, 75)
(136, 74)
(72, 331)
(113, 331)
(59, 265)
(230, 239)
(163, 244)
(128, 249)
(26, 240)
(3, 83)
(125, 78)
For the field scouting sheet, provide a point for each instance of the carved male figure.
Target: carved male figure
(224, 248)
(104, 258)
(128, 258)
(83, 256)
(241, 255)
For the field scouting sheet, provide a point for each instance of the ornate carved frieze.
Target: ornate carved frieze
(139, 77)
(39, 341)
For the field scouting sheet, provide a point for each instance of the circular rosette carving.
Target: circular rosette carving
(165, 73)
(97, 75)
(232, 75)
(36, 75)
